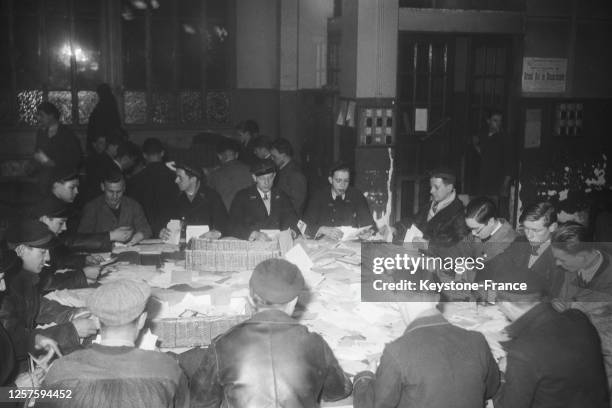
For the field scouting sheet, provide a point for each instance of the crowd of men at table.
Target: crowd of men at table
(560, 339)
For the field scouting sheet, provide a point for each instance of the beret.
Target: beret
(32, 233)
(191, 167)
(277, 281)
(261, 167)
(63, 174)
(119, 302)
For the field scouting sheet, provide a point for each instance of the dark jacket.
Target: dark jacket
(268, 361)
(228, 179)
(155, 190)
(64, 148)
(433, 364)
(516, 257)
(7, 356)
(497, 161)
(323, 210)
(554, 360)
(248, 212)
(291, 180)
(23, 308)
(206, 209)
(444, 229)
(97, 166)
(98, 217)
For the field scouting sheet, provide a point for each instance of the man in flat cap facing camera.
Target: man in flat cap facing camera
(553, 359)
(342, 205)
(114, 213)
(115, 373)
(196, 204)
(23, 307)
(261, 206)
(433, 364)
(270, 360)
(442, 222)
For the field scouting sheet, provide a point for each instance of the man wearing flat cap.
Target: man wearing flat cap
(114, 373)
(23, 307)
(553, 359)
(442, 222)
(261, 206)
(113, 212)
(271, 359)
(232, 175)
(338, 206)
(196, 204)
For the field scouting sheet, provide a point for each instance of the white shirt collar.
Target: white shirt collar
(334, 195)
(588, 273)
(261, 193)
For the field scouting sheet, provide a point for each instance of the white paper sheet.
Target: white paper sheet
(271, 233)
(175, 232)
(412, 233)
(351, 233)
(194, 231)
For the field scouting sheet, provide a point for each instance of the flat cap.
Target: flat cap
(190, 166)
(50, 206)
(63, 174)
(32, 233)
(261, 167)
(119, 302)
(277, 281)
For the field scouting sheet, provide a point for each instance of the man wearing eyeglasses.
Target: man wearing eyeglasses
(532, 251)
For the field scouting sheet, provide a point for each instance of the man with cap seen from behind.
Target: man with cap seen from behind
(232, 175)
(271, 359)
(114, 373)
(195, 203)
(261, 206)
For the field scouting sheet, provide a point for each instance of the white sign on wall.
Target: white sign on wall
(546, 75)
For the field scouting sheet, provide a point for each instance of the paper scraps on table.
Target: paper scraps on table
(195, 231)
(351, 233)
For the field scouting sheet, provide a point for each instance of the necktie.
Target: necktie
(434, 207)
(339, 199)
(266, 199)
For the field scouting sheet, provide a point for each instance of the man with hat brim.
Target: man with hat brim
(113, 212)
(342, 205)
(261, 206)
(196, 204)
(553, 359)
(24, 307)
(442, 221)
(433, 364)
(271, 359)
(153, 187)
(114, 373)
(53, 213)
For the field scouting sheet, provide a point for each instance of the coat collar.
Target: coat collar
(272, 316)
(434, 319)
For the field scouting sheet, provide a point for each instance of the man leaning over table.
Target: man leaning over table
(442, 221)
(261, 206)
(434, 364)
(195, 203)
(553, 359)
(588, 282)
(23, 307)
(336, 206)
(113, 210)
(271, 359)
(115, 373)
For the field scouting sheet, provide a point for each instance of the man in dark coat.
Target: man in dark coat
(289, 178)
(261, 206)
(340, 205)
(433, 364)
(248, 130)
(442, 222)
(154, 187)
(270, 360)
(196, 204)
(232, 175)
(530, 252)
(23, 307)
(554, 359)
